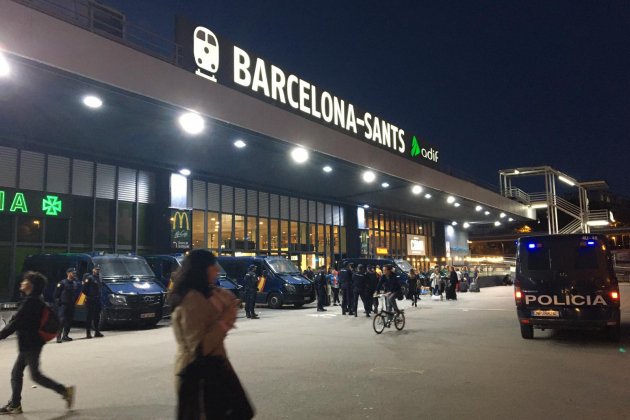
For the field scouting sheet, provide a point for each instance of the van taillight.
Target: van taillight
(614, 295)
(518, 296)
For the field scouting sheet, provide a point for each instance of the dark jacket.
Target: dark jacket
(389, 283)
(345, 279)
(359, 281)
(453, 278)
(371, 281)
(251, 281)
(413, 283)
(26, 323)
(66, 292)
(320, 280)
(92, 286)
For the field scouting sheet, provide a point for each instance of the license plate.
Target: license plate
(148, 315)
(547, 313)
(306, 298)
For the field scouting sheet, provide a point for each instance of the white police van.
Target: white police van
(566, 281)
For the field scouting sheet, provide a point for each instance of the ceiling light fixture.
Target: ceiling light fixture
(92, 101)
(566, 180)
(510, 220)
(497, 223)
(478, 208)
(192, 123)
(185, 172)
(385, 185)
(299, 154)
(466, 225)
(240, 144)
(327, 169)
(454, 223)
(366, 206)
(450, 199)
(427, 196)
(502, 215)
(417, 189)
(369, 176)
(487, 213)
(456, 204)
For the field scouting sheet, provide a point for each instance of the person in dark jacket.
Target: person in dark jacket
(251, 287)
(345, 284)
(25, 323)
(65, 298)
(451, 293)
(413, 283)
(359, 290)
(92, 286)
(392, 287)
(320, 287)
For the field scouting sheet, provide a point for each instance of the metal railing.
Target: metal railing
(110, 24)
(568, 207)
(598, 215)
(518, 195)
(574, 227)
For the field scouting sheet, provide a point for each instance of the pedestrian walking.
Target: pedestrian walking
(436, 283)
(413, 282)
(345, 284)
(92, 286)
(359, 289)
(334, 285)
(206, 384)
(251, 288)
(26, 323)
(451, 291)
(320, 287)
(65, 297)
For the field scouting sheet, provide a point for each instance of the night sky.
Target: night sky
(493, 84)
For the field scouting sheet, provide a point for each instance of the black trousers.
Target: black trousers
(346, 301)
(66, 313)
(250, 302)
(414, 296)
(321, 298)
(30, 358)
(93, 314)
(367, 302)
(335, 294)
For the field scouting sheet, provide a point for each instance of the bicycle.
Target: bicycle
(384, 317)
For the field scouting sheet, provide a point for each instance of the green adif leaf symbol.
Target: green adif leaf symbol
(415, 147)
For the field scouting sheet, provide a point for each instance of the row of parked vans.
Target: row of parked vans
(135, 288)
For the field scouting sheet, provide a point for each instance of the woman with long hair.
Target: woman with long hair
(207, 386)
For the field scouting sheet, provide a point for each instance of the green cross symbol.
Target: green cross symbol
(51, 205)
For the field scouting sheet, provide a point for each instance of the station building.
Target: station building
(114, 139)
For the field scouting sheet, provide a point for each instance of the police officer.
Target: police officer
(320, 286)
(251, 287)
(65, 296)
(371, 282)
(345, 284)
(92, 286)
(358, 290)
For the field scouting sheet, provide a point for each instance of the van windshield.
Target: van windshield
(123, 267)
(282, 266)
(404, 265)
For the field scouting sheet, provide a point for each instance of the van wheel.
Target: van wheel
(527, 332)
(275, 301)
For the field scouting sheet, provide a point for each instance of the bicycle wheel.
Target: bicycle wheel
(399, 321)
(378, 323)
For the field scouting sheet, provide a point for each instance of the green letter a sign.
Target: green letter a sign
(415, 147)
(19, 203)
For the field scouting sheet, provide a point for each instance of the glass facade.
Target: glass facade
(255, 222)
(103, 208)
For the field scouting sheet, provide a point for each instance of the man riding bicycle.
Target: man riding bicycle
(391, 285)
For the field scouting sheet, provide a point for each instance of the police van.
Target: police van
(166, 264)
(280, 281)
(130, 292)
(566, 281)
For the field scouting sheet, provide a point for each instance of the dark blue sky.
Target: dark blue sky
(493, 84)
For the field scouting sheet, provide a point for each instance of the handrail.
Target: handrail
(574, 227)
(518, 194)
(597, 215)
(568, 207)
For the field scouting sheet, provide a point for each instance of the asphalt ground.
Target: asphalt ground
(462, 359)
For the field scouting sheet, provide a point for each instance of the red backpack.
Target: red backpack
(48, 324)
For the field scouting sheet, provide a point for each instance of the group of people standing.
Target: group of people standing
(455, 279)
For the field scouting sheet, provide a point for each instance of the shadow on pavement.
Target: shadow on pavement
(594, 338)
(119, 413)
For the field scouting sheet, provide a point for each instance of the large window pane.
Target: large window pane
(213, 231)
(104, 223)
(336, 238)
(251, 236)
(226, 232)
(198, 229)
(274, 234)
(6, 227)
(303, 237)
(239, 231)
(146, 225)
(284, 235)
(263, 234)
(5, 266)
(125, 223)
(56, 231)
(294, 234)
(82, 221)
(29, 229)
(320, 239)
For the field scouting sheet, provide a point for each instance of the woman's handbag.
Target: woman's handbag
(209, 385)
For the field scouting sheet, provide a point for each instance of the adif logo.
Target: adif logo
(206, 53)
(416, 150)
